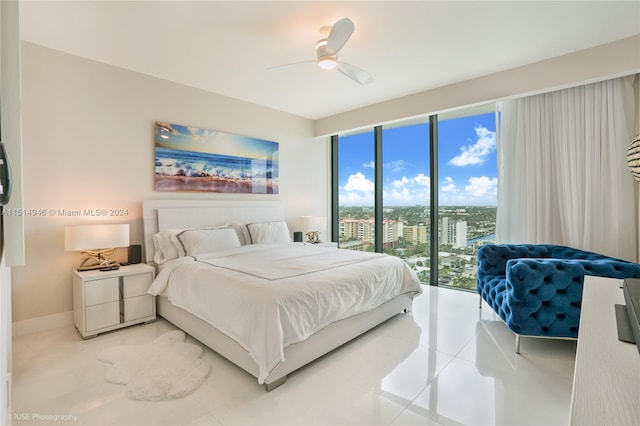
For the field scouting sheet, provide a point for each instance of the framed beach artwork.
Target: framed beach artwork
(193, 159)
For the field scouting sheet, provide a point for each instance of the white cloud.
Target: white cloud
(421, 179)
(407, 190)
(482, 186)
(448, 185)
(396, 166)
(355, 199)
(359, 182)
(357, 191)
(406, 196)
(480, 191)
(403, 195)
(478, 152)
(400, 182)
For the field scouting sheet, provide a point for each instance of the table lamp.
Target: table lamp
(96, 243)
(311, 226)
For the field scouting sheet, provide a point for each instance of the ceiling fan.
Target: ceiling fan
(327, 48)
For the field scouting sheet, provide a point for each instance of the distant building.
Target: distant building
(364, 230)
(359, 234)
(351, 245)
(453, 233)
(415, 234)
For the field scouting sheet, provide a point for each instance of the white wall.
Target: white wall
(88, 143)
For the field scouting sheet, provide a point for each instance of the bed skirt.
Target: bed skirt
(296, 355)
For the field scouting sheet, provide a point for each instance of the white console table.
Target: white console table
(606, 382)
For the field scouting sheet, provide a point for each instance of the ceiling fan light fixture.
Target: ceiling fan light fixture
(333, 39)
(327, 63)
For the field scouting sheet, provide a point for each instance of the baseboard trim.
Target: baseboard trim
(47, 322)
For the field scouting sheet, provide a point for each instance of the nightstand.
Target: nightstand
(104, 301)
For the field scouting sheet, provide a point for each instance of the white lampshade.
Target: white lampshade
(90, 237)
(311, 223)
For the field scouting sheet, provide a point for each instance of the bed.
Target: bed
(302, 303)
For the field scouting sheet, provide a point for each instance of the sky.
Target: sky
(189, 138)
(467, 164)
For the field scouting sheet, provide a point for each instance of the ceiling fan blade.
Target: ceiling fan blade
(354, 73)
(340, 33)
(290, 64)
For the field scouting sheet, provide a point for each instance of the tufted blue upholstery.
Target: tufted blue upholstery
(537, 289)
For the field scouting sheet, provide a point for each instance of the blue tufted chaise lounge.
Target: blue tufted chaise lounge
(537, 289)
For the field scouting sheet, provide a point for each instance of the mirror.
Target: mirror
(5, 176)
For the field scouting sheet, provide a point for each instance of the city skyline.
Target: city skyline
(406, 233)
(467, 165)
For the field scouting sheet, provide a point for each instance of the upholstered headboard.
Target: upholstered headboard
(159, 215)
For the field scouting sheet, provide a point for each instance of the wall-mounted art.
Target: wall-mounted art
(194, 159)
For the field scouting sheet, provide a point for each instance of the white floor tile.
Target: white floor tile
(446, 362)
(410, 418)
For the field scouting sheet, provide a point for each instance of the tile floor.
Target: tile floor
(447, 362)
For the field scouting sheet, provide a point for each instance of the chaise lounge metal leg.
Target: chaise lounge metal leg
(518, 344)
(480, 302)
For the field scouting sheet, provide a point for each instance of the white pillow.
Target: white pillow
(167, 246)
(269, 232)
(243, 233)
(199, 241)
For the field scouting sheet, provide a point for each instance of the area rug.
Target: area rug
(166, 368)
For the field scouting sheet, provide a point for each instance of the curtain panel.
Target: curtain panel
(563, 175)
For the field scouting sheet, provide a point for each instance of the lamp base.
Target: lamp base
(112, 267)
(97, 259)
(313, 237)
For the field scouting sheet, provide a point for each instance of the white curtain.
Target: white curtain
(563, 176)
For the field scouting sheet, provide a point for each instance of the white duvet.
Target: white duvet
(267, 297)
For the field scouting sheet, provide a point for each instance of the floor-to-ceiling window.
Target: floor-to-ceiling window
(467, 188)
(356, 215)
(405, 193)
(391, 164)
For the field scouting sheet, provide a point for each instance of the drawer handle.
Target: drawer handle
(121, 290)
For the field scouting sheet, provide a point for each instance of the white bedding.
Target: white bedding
(267, 297)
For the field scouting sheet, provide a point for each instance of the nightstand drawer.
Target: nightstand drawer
(102, 291)
(108, 300)
(136, 285)
(138, 307)
(101, 316)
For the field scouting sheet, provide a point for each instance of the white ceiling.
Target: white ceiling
(408, 47)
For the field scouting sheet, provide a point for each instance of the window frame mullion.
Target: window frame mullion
(335, 195)
(377, 161)
(434, 240)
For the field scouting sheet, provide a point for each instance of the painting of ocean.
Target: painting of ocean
(194, 159)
